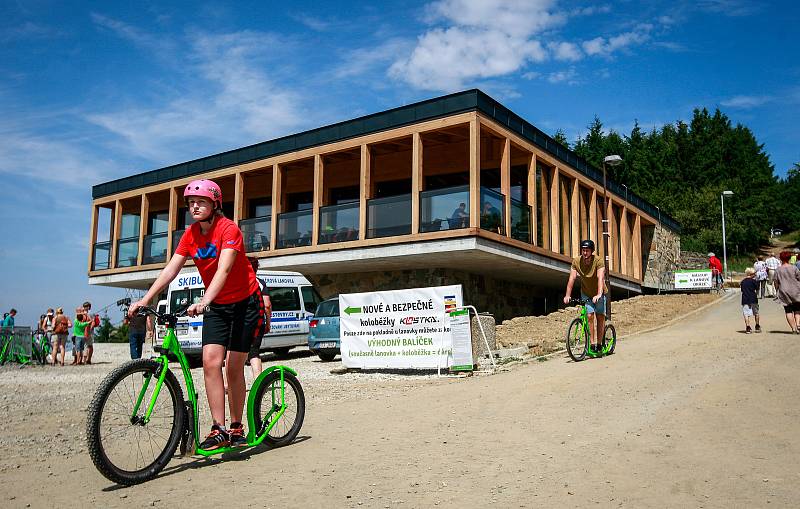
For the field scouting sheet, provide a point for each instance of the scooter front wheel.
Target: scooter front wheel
(267, 405)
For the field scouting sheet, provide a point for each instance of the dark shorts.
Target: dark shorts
(794, 307)
(259, 331)
(233, 325)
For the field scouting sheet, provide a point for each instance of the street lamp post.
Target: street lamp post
(612, 160)
(724, 247)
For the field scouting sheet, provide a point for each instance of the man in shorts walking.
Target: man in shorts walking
(593, 290)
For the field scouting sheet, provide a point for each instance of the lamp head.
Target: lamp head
(727, 193)
(612, 160)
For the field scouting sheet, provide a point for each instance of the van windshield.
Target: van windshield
(328, 308)
(180, 299)
(284, 299)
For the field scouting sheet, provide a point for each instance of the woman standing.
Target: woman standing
(231, 305)
(787, 282)
(61, 325)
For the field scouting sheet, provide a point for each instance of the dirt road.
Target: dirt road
(694, 415)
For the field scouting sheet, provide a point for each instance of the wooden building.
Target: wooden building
(456, 189)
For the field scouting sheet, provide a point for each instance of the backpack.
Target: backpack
(61, 326)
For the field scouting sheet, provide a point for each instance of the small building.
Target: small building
(453, 190)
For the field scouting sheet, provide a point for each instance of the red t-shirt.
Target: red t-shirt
(205, 251)
(714, 263)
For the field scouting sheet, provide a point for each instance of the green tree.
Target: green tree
(561, 138)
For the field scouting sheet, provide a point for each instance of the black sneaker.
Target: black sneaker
(758, 328)
(238, 438)
(218, 438)
(748, 330)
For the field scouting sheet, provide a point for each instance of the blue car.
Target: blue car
(323, 337)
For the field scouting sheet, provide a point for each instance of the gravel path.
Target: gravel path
(696, 414)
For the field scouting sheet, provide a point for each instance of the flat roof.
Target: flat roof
(438, 107)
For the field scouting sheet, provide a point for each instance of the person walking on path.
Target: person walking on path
(787, 282)
(61, 326)
(716, 269)
(772, 265)
(749, 287)
(137, 330)
(760, 268)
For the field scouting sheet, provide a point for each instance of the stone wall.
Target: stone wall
(663, 258)
(503, 299)
(693, 260)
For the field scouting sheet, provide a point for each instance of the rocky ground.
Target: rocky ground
(545, 334)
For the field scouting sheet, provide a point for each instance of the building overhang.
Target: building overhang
(469, 254)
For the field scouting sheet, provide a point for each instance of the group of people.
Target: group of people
(776, 277)
(55, 326)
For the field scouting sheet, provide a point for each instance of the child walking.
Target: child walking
(749, 287)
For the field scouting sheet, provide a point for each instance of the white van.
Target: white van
(294, 301)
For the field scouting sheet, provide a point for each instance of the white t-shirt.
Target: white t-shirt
(761, 270)
(773, 263)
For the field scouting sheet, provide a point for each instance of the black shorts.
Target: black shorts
(794, 307)
(232, 325)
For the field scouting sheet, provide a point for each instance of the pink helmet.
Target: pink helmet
(205, 188)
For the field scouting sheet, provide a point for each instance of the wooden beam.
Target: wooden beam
(545, 197)
(317, 200)
(277, 203)
(93, 235)
(416, 180)
(531, 198)
(365, 189)
(612, 239)
(637, 247)
(593, 219)
(238, 198)
(117, 220)
(173, 219)
(145, 207)
(624, 242)
(505, 185)
(555, 210)
(575, 219)
(474, 173)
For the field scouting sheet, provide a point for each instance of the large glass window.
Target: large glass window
(339, 223)
(387, 217)
(444, 209)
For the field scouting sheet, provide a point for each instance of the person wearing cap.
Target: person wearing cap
(749, 287)
(47, 325)
(593, 289)
(716, 268)
(231, 305)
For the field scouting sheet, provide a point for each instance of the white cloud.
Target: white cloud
(363, 60)
(480, 39)
(565, 51)
(52, 161)
(730, 7)
(746, 102)
(566, 76)
(230, 98)
(606, 46)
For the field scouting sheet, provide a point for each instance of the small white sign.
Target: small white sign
(397, 328)
(461, 332)
(693, 279)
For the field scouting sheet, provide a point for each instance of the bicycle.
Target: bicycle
(578, 337)
(40, 347)
(12, 349)
(5, 349)
(134, 426)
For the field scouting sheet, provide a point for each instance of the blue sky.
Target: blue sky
(93, 91)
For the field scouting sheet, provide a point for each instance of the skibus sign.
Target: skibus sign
(693, 279)
(398, 328)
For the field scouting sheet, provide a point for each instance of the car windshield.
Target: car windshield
(328, 308)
